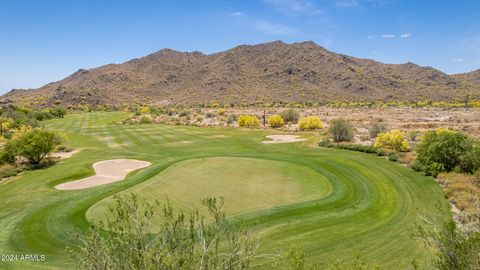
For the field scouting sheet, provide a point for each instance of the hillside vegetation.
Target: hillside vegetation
(270, 72)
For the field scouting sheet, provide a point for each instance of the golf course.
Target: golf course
(331, 203)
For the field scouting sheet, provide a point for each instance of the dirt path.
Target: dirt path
(284, 139)
(107, 171)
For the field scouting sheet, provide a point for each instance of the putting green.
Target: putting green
(332, 203)
(246, 184)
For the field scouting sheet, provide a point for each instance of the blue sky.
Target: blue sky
(46, 40)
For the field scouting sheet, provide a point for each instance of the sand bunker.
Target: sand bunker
(107, 171)
(284, 139)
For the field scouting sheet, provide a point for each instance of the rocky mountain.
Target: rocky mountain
(470, 77)
(268, 72)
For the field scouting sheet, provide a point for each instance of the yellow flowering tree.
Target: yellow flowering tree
(144, 110)
(275, 121)
(248, 121)
(310, 122)
(393, 140)
(5, 124)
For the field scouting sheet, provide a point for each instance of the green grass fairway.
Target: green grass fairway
(246, 184)
(333, 203)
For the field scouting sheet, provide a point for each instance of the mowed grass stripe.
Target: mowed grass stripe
(373, 204)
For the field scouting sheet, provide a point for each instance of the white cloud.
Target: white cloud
(275, 29)
(406, 35)
(346, 3)
(237, 13)
(389, 36)
(375, 52)
(458, 60)
(371, 37)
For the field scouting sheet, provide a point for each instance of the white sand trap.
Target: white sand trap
(107, 171)
(284, 139)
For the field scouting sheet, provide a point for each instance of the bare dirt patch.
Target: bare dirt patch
(284, 139)
(107, 171)
(64, 155)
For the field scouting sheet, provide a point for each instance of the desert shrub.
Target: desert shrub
(325, 143)
(393, 156)
(275, 121)
(182, 241)
(364, 137)
(381, 152)
(144, 110)
(210, 115)
(145, 120)
(357, 147)
(463, 191)
(168, 111)
(477, 176)
(376, 128)
(222, 119)
(340, 130)
(393, 140)
(290, 116)
(9, 170)
(5, 124)
(184, 113)
(40, 115)
(454, 249)
(413, 135)
(59, 112)
(353, 147)
(129, 121)
(310, 123)
(406, 158)
(248, 121)
(63, 148)
(231, 118)
(221, 112)
(446, 150)
(199, 118)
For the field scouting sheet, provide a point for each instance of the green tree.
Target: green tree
(126, 241)
(35, 144)
(447, 150)
(340, 130)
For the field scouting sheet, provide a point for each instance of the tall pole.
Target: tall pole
(264, 117)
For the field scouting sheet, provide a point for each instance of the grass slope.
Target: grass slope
(373, 205)
(246, 184)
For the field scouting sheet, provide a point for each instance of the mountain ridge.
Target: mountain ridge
(246, 74)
